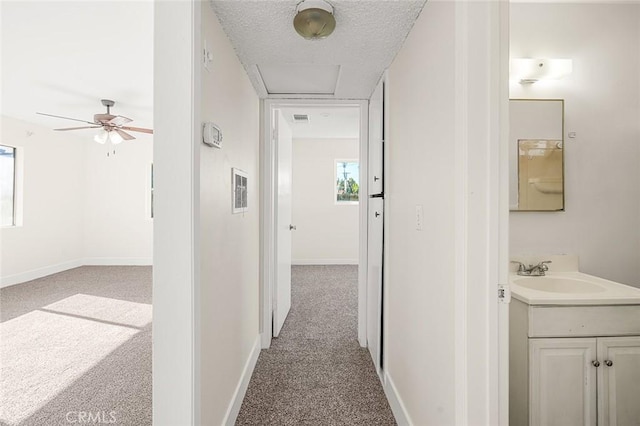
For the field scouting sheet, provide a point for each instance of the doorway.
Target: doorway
(277, 226)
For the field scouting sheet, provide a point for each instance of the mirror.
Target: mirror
(536, 155)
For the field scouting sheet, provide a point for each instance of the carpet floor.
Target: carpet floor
(315, 372)
(75, 347)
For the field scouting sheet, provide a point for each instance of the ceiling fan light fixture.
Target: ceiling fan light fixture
(101, 137)
(314, 19)
(115, 138)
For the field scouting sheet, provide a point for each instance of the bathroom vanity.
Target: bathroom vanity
(574, 350)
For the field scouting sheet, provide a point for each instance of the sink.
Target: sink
(559, 285)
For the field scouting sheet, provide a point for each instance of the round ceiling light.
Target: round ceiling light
(314, 19)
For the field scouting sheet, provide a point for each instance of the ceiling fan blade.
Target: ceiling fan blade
(67, 118)
(119, 120)
(137, 129)
(78, 128)
(126, 136)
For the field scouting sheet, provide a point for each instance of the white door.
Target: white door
(563, 382)
(376, 152)
(374, 279)
(282, 289)
(375, 226)
(619, 381)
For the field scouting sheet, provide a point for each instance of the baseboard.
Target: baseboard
(236, 402)
(39, 273)
(115, 261)
(324, 261)
(395, 402)
(61, 267)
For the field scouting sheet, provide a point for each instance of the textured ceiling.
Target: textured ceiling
(62, 57)
(367, 37)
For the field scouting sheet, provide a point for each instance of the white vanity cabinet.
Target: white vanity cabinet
(562, 382)
(583, 371)
(619, 381)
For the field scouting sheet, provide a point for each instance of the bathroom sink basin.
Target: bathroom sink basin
(559, 285)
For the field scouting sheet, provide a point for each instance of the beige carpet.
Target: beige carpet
(75, 347)
(315, 373)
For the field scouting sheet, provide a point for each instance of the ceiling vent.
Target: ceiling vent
(301, 118)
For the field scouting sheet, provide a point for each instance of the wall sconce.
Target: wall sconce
(530, 70)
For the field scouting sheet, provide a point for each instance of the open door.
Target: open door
(375, 227)
(282, 289)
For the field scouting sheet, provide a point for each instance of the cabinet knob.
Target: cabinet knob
(376, 178)
(608, 363)
(595, 363)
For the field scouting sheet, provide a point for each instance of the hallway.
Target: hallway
(315, 372)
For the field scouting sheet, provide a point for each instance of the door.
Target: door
(375, 227)
(376, 151)
(563, 382)
(374, 279)
(282, 289)
(619, 381)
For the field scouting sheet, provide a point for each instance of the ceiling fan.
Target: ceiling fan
(113, 126)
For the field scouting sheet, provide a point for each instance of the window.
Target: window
(347, 181)
(7, 185)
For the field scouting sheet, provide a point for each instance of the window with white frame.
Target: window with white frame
(7, 185)
(347, 188)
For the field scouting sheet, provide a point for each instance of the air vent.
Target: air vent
(301, 118)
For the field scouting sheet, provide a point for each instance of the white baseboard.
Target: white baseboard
(61, 267)
(39, 273)
(324, 261)
(397, 407)
(236, 402)
(115, 261)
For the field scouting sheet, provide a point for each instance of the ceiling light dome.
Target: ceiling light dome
(314, 19)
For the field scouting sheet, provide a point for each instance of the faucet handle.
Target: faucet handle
(543, 265)
(521, 266)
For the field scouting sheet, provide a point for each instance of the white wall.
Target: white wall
(118, 228)
(327, 233)
(229, 242)
(176, 250)
(601, 223)
(79, 206)
(50, 238)
(444, 145)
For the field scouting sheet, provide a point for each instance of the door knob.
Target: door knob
(608, 363)
(292, 228)
(595, 363)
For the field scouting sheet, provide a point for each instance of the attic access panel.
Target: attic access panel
(290, 79)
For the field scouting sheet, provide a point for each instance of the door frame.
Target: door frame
(268, 193)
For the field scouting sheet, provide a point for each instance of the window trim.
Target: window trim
(17, 161)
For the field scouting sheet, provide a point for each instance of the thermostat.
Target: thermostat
(212, 135)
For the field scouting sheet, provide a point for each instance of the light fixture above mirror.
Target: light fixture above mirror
(531, 70)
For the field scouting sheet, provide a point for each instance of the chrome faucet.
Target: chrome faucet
(532, 270)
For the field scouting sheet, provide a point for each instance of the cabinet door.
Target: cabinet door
(619, 382)
(562, 385)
